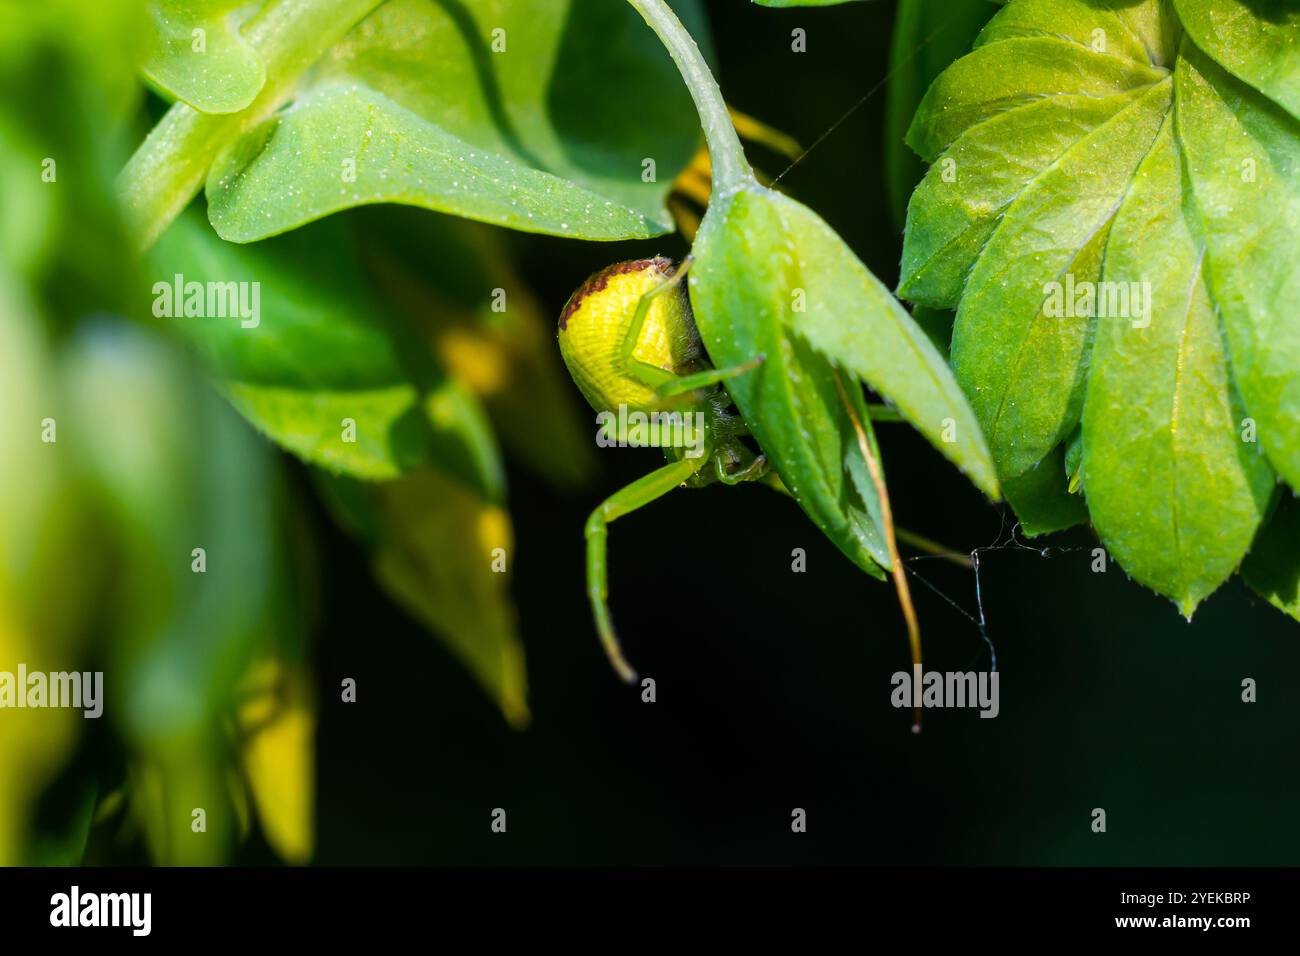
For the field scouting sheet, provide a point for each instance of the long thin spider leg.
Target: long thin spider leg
(633, 334)
(690, 383)
(649, 375)
(636, 495)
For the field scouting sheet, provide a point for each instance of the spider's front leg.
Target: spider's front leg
(666, 384)
(636, 495)
(669, 388)
(685, 384)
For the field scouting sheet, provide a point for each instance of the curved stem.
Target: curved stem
(730, 168)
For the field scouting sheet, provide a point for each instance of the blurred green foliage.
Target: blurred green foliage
(147, 530)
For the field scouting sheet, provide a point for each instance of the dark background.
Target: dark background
(773, 687)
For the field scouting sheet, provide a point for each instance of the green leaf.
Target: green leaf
(1243, 162)
(1254, 40)
(1111, 231)
(1173, 490)
(741, 290)
(170, 166)
(772, 278)
(538, 115)
(846, 314)
(1042, 500)
(197, 53)
(319, 369)
(1273, 566)
(1138, 31)
(984, 85)
(964, 197)
(444, 553)
(928, 35)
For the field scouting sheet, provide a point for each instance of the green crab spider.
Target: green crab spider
(629, 340)
(645, 361)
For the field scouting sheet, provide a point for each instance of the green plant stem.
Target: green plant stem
(730, 168)
(171, 164)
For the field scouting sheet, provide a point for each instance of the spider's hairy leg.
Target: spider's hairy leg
(636, 495)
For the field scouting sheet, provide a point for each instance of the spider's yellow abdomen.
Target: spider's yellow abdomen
(595, 323)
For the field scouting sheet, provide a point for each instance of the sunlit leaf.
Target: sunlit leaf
(196, 53)
(554, 116)
(1113, 216)
(1243, 163)
(1163, 461)
(1254, 40)
(928, 35)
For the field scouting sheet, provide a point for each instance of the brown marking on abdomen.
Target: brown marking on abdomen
(601, 279)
